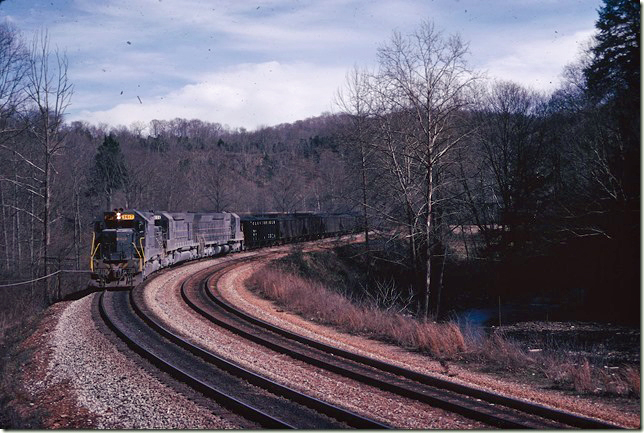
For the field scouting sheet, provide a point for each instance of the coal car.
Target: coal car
(277, 228)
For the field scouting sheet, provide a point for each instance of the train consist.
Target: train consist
(129, 245)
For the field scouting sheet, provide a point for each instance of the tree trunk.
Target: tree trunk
(77, 227)
(32, 243)
(108, 200)
(4, 227)
(428, 233)
(439, 285)
(363, 168)
(412, 239)
(45, 220)
(18, 254)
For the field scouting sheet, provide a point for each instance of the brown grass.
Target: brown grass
(315, 302)
(580, 376)
(444, 341)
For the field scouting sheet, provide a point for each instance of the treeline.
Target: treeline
(57, 177)
(549, 184)
(185, 166)
(541, 191)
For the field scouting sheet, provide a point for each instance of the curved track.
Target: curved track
(494, 409)
(257, 399)
(272, 405)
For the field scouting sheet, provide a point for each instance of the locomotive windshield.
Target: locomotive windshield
(117, 244)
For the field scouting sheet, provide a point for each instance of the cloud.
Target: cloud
(247, 95)
(539, 63)
(210, 60)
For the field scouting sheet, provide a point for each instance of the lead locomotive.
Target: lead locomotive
(128, 245)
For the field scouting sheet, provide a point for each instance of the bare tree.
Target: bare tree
(510, 135)
(13, 65)
(425, 75)
(215, 181)
(286, 188)
(355, 102)
(49, 93)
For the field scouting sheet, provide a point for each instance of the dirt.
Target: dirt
(602, 344)
(42, 405)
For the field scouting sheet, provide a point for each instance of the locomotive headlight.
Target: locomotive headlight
(118, 215)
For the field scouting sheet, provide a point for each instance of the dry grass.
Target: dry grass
(315, 302)
(579, 375)
(444, 341)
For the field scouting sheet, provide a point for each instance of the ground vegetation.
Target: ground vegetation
(473, 192)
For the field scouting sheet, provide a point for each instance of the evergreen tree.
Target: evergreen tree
(613, 82)
(612, 145)
(615, 66)
(109, 172)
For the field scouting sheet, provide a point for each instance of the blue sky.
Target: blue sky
(247, 64)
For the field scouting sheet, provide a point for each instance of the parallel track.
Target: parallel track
(488, 407)
(206, 373)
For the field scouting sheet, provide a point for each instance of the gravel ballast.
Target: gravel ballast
(109, 384)
(81, 376)
(163, 297)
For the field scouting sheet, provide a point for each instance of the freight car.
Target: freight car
(128, 245)
(278, 228)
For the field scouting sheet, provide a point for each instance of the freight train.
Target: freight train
(129, 245)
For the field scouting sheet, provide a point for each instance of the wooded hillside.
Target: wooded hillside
(542, 189)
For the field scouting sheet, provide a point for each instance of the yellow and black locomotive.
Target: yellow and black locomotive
(128, 245)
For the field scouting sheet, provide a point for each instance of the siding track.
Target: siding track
(494, 409)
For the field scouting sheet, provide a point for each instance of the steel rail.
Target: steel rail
(342, 415)
(455, 404)
(549, 413)
(247, 411)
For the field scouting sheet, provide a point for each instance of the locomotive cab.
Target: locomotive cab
(117, 249)
(116, 245)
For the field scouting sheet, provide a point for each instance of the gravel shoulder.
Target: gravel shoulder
(232, 286)
(163, 297)
(79, 378)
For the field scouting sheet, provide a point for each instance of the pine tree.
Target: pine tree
(109, 173)
(615, 66)
(613, 82)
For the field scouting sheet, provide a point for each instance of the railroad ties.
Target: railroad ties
(272, 405)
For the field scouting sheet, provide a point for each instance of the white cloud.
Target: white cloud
(248, 95)
(539, 63)
(165, 51)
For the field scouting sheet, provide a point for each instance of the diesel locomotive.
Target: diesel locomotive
(129, 245)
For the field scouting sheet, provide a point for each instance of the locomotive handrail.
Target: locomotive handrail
(91, 257)
(141, 257)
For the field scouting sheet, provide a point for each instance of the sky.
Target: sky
(261, 63)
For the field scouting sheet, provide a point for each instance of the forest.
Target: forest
(469, 188)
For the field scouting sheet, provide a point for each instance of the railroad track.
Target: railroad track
(200, 293)
(260, 400)
(271, 405)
